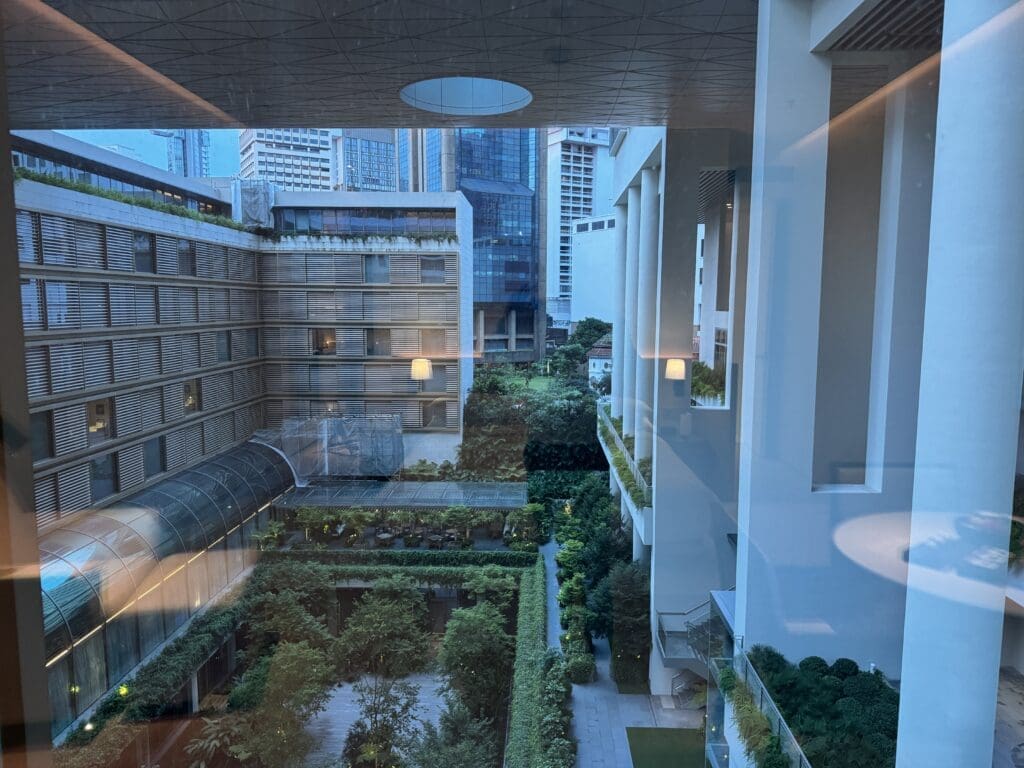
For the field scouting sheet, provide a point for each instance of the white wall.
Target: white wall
(592, 285)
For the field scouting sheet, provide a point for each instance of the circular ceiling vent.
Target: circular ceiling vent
(466, 96)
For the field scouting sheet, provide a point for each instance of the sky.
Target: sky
(152, 149)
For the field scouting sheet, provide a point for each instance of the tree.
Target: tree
(603, 385)
(631, 626)
(219, 741)
(476, 653)
(297, 689)
(589, 331)
(492, 584)
(385, 725)
(281, 617)
(385, 634)
(458, 741)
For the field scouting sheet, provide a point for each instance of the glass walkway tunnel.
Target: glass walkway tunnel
(117, 582)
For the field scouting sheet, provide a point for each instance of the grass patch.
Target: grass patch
(641, 688)
(660, 747)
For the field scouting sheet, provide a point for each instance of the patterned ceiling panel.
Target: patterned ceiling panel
(143, 63)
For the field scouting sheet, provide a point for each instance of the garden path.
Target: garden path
(554, 630)
(331, 726)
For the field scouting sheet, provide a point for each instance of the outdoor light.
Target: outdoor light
(675, 369)
(421, 369)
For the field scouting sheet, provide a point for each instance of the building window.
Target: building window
(432, 341)
(145, 252)
(376, 268)
(42, 435)
(223, 347)
(103, 477)
(435, 414)
(252, 342)
(431, 269)
(322, 341)
(186, 258)
(378, 342)
(438, 380)
(155, 457)
(190, 396)
(100, 418)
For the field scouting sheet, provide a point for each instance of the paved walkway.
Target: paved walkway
(551, 577)
(600, 713)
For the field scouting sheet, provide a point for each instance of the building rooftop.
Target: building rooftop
(405, 493)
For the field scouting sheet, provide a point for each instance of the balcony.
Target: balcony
(762, 699)
(683, 637)
(620, 458)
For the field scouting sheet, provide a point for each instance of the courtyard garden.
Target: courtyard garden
(364, 633)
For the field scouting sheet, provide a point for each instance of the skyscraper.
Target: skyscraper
(366, 160)
(497, 170)
(579, 186)
(188, 151)
(294, 159)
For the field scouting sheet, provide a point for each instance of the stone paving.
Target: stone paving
(600, 713)
(331, 726)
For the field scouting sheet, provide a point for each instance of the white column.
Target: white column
(646, 312)
(619, 322)
(970, 397)
(479, 332)
(629, 342)
(513, 331)
(778, 519)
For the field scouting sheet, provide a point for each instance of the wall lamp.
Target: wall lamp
(675, 369)
(421, 369)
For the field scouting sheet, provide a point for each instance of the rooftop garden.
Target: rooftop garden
(121, 197)
(840, 715)
(297, 648)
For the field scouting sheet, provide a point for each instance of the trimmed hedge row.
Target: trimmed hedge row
(523, 747)
(404, 557)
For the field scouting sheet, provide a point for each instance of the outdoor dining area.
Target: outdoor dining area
(406, 515)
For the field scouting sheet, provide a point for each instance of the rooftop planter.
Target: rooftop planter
(633, 476)
(811, 714)
(120, 197)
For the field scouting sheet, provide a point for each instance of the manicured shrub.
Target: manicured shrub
(572, 592)
(581, 668)
(477, 656)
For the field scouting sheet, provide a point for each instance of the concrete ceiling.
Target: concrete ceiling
(222, 63)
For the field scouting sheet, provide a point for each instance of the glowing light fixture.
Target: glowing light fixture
(422, 369)
(675, 368)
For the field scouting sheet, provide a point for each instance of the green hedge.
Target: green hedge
(405, 557)
(120, 197)
(523, 747)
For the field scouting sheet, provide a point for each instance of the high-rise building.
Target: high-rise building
(498, 170)
(366, 159)
(294, 159)
(188, 151)
(578, 187)
(593, 249)
(155, 341)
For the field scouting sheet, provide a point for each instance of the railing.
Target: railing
(683, 634)
(763, 699)
(641, 481)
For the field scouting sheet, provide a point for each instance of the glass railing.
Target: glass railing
(683, 634)
(763, 699)
(642, 498)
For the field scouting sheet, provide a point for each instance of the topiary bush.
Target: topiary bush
(581, 668)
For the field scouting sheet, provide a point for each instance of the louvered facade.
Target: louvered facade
(153, 341)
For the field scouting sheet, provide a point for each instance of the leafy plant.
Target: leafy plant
(477, 656)
(385, 724)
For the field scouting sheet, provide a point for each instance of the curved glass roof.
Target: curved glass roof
(97, 565)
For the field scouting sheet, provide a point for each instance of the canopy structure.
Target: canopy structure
(405, 494)
(118, 581)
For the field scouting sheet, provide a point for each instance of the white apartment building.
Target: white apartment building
(856, 484)
(593, 258)
(578, 186)
(294, 159)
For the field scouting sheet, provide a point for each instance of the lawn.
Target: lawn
(666, 747)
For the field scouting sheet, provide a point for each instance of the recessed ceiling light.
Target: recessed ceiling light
(466, 96)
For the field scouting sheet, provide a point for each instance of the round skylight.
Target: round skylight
(466, 96)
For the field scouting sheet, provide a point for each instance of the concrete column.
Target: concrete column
(780, 525)
(970, 394)
(619, 321)
(629, 342)
(714, 240)
(512, 330)
(646, 312)
(479, 332)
